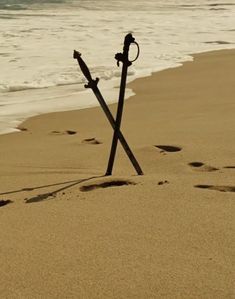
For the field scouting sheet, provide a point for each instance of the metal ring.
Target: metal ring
(138, 51)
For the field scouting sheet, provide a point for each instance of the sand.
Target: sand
(69, 232)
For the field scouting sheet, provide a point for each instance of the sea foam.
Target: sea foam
(39, 75)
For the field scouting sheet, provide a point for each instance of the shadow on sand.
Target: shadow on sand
(45, 196)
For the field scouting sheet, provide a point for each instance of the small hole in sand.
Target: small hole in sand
(229, 167)
(163, 182)
(196, 164)
(202, 186)
(108, 184)
(202, 167)
(91, 141)
(5, 202)
(70, 132)
(217, 188)
(169, 148)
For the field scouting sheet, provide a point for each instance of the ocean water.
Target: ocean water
(37, 39)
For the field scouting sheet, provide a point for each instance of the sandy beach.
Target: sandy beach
(69, 232)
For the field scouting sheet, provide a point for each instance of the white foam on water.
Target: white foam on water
(38, 74)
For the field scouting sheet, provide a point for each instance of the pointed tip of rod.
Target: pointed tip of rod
(76, 54)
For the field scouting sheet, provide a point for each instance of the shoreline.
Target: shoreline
(167, 234)
(110, 93)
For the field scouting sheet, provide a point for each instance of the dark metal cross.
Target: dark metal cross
(123, 57)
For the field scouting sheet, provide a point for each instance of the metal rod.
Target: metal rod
(93, 85)
(123, 57)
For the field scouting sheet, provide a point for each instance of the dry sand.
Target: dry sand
(157, 236)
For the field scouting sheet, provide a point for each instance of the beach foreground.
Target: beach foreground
(68, 232)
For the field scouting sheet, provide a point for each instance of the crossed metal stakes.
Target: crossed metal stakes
(117, 135)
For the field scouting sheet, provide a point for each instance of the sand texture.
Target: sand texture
(68, 232)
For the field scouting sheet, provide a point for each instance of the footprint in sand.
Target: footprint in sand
(229, 167)
(107, 184)
(91, 141)
(168, 148)
(163, 182)
(4, 202)
(199, 166)
(40, 197)
(217, 188)
(68, 132)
